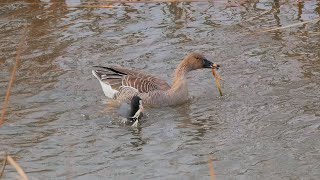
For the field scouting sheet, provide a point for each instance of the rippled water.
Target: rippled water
(267, 126)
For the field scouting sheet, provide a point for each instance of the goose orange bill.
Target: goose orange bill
(217, 77)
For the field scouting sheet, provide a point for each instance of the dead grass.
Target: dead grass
(18, 168)
(288, 26)
(13, 76)
(13, 163)
(3, 164)
(212, 174)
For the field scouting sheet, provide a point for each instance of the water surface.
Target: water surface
(267, 126)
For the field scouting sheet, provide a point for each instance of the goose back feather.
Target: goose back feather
(113, 78)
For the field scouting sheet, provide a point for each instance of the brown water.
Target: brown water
(267, 126)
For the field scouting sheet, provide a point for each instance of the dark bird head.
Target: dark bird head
(136, 104)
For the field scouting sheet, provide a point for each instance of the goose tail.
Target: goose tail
(106, 87)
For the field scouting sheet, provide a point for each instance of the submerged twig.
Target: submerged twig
(212, 174)
(3, 164)
(288, 26)
(13, 76)
(18, 168)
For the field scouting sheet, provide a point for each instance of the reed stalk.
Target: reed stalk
(18, 168)
(212, 174)
(288, 26)
(13, 76)
(3, 164)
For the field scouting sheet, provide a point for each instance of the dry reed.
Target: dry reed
(18, 168)
(3, 164)
(10, 160)
(212, 174)
(288, 26)
(218, 78)
(13, 76)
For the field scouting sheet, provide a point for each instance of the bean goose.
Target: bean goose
(122, 84)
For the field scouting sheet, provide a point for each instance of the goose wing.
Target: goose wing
(118, 77)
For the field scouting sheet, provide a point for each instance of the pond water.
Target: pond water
(266, 126)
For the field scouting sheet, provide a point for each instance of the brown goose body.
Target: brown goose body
(122, 84)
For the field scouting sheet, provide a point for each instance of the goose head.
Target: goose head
(136, 104)
(197, 61)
